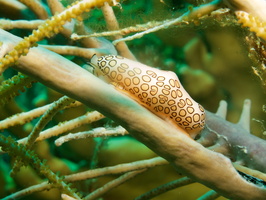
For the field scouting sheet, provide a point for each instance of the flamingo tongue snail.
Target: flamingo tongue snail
(159, 91)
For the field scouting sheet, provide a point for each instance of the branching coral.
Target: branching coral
(37, 7)
(158, 141)
(28, 157)
(10, 88)
(47, 29)
(205, 160)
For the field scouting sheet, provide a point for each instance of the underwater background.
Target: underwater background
(210, 55)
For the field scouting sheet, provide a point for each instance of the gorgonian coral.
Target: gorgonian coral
(47, 29)
(211, 159)
(11, 87)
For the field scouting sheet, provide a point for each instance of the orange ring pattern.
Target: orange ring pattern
(159, 91)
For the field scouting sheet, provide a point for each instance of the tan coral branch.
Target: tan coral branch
(37, 7)
(48, 29)
(189, 157)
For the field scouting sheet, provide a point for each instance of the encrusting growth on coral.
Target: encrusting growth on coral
(251, 14)
(257, 53)
(254, 23)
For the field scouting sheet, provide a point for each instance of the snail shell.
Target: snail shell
(159, 91)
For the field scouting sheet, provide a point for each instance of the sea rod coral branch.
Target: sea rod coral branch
(47, 116)
(23, 24)
(55, 6)
(28, 157)
(48, 29)
(189, 157)
(96, 132)
(94, 173)
(165, 187)
(112, 24)
(112, 184)
(189, 15)
(87, 118)
(25, 117)
(37, 7)
(11, 87)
